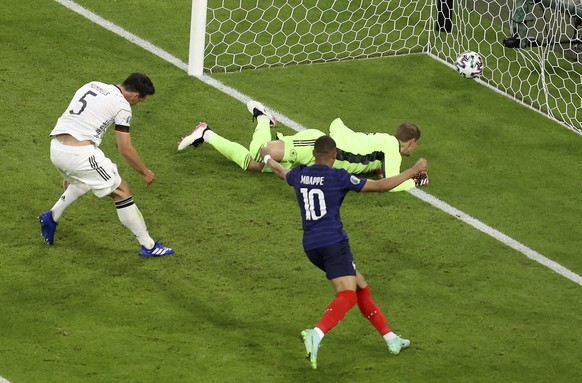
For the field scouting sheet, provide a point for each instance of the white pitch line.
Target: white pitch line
(531, 254)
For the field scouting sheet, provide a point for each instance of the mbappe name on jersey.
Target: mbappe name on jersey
(310, 180)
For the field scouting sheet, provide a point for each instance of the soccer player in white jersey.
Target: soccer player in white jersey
(75, 153)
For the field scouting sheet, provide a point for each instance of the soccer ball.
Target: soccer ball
(469, 64)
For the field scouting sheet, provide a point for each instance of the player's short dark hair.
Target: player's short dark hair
(407, 132)
(139, 82)
(324, 146)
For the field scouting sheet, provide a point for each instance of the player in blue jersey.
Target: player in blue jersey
(320, 191)
(75, 153)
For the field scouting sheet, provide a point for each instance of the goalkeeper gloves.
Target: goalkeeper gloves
(421, 179)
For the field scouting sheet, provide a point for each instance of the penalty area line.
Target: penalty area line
(508, 241)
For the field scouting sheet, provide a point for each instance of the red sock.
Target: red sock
(371, 311)
(337, 309)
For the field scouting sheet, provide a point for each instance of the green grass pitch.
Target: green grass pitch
(230, 304)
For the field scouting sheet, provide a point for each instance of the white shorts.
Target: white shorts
(85, 164)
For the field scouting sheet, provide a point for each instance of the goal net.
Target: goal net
(530, 47)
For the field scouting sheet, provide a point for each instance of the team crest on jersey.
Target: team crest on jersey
(355, 180)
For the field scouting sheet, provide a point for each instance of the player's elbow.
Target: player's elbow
(282, 174)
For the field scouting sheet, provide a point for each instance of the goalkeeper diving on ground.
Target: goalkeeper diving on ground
(357, 153)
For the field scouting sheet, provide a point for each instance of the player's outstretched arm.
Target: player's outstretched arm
(389, 183)
(131, 156)
(276, 167)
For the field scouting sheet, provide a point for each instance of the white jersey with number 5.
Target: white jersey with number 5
(94, 108)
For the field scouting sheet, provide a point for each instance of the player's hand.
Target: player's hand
(420, 179)
(149, 177)
(420, 166)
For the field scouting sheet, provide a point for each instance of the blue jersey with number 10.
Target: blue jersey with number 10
(320, 192)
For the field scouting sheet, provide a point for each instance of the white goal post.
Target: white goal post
(531, 48)
(197, 38)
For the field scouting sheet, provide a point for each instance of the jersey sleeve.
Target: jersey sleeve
(293, 175)
(122, 128)
(123, 120)
(392, 162)
(391, 170)
(351, 182)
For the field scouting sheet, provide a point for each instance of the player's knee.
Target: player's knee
(122, 192)
(255, 149)
(349, 296)
(255, 166)
(360, 281)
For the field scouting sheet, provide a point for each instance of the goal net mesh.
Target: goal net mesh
(530, 47)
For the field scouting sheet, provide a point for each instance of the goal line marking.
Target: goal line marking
(508, 241)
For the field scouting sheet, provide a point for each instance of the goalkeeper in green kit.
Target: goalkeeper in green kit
(357, 153)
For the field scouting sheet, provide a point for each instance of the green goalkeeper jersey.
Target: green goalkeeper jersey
(367, 152)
